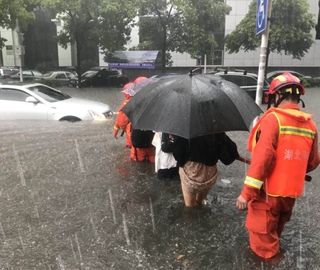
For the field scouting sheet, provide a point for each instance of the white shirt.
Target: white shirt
(162, 160)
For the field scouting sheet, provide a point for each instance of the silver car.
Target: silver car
(40, 102)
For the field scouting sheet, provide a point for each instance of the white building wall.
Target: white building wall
(182, 60)
(10, 52)
(7, 50)
(134, 37)
(251, 58)
(102, 63)
(64, 54)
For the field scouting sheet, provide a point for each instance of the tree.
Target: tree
(318, 24)
(290, 31)
(159, 21)
(89, 24)
(13, 10)
(182, 25)
(115, 23)
(204, 24)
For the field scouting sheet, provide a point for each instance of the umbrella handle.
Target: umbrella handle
(242, 159)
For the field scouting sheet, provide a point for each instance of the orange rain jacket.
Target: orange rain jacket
(284, 145)
(123, 122)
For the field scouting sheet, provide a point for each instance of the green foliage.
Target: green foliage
(90, 24)
(78, 19)
(115, 23)
(11, 10)
(192, 26)
(203, 25)
(108, 22)
(291, 24)
(158, 26)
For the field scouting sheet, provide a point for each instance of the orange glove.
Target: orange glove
(115, 132)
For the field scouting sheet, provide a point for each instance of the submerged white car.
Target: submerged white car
(41, 102)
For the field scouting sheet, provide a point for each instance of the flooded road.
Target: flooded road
(70, 198)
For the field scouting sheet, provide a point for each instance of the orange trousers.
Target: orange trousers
(143, 154)
(265, 221)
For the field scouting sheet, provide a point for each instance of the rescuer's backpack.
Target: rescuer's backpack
(141, 138)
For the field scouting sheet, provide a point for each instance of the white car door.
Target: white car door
(13, 105)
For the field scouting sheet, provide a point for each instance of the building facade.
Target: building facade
(13, 51)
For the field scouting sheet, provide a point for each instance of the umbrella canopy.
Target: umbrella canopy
(191, 105)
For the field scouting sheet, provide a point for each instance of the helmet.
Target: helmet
(286, 83)
(127, 90)
(140, 79)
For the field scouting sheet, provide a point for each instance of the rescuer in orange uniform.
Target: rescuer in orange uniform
(284, 146)
(147, 153)
(122, 121)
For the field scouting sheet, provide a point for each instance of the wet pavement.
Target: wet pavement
(70, 198)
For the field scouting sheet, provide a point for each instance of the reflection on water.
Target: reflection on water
(71, 199)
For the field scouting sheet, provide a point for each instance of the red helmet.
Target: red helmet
(126, 90)
(286, 83)
(140, 79)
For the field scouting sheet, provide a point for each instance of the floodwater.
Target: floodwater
(70, 198)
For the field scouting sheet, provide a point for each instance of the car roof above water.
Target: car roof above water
(19, 85)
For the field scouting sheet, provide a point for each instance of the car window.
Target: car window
(233, 78)
(61, 76)
(112, 72)
(37, 73)
(70, 75)
(248, 81)
(13, 95)
(5, 71)
(89, 74)
(48, 74)
(48, 94)
(101, 74)
(27, 72)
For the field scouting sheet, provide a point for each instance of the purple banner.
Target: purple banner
(132, 65)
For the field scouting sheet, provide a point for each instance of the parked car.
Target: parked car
(39, 101)
(101, 77)
(5, 72)
(271, 75)
(57, 78)
(246, 81)
(27, 75)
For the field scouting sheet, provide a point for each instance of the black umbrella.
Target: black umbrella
(191, 105)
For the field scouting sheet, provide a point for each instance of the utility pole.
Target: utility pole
(264, 47)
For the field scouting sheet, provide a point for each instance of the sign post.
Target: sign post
(261, 16)
(262, 26)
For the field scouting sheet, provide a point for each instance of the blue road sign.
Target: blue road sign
(261, 16)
